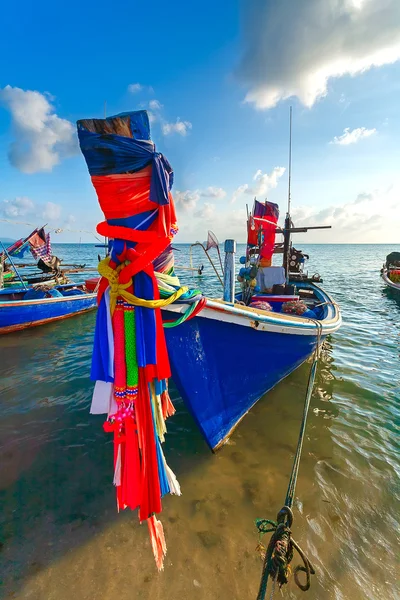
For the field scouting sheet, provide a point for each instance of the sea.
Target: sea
(61, 535)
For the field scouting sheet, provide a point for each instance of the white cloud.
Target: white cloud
(322, 39)
(155, 105)
(51, 211)
(225, 223)
(369, 218)
(180, 127)
(263, 183)
(213, 192)
(155, 111)
(42, 138)
(372, 217)
(353, 136)
(186, 200)
(27, 208)
(135, 88)
(238, 192)
(206, 212)
(19, 207)
(70, 220)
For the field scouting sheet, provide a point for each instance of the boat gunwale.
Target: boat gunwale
(284, 323)
(23, 326)
(34, 302)
(389, 282)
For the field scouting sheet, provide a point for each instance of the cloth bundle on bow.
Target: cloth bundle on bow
(130, 361)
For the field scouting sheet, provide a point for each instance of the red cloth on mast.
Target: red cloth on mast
(261, 227)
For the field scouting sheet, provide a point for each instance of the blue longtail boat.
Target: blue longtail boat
(25, 308)
(218, 393)
(280, 316)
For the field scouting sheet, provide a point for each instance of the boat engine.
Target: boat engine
(296, 260)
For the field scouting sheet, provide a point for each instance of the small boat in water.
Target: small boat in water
(232, 353)
(391, 271)
(21, 309)
(47, 269)
(238, 348)
(10, 280)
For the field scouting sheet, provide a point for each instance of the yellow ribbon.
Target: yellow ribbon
(118, 289)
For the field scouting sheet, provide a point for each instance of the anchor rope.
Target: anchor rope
(279, 553)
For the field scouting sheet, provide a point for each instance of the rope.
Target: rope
(279, 553)
(120, 289)
(184, 317)
(191, 312)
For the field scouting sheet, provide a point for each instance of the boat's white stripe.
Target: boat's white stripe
(263, 321)
(19, 303)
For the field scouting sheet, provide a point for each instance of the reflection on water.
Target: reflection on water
(61, 536)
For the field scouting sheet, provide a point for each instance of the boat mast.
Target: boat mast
(286, 233)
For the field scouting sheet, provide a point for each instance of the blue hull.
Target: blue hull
(219, 389)
(21, 314)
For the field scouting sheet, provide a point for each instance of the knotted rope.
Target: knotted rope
(279, 553)
(120, 289)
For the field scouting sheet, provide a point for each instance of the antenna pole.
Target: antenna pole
(290, 160)
(105, 109)
(286, 231)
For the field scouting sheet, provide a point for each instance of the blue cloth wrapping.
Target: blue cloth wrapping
(145, 322)
(101, 351)
(109, 154)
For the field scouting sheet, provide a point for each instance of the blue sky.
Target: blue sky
(218, 78)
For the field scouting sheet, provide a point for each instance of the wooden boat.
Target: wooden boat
(238, 348)
(210, 354)
(10, 280)
(21, 309)
(391, 271)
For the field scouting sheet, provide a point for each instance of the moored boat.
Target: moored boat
(22, 309)
(10, 280)
(210, 354)
(391, 271)
(278, 319)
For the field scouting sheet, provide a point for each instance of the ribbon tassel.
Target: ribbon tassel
(157, 541)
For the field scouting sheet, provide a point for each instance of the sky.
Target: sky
(218, 79)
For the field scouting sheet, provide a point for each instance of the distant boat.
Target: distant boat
(10, 279)
(22, 309)
(391, 271)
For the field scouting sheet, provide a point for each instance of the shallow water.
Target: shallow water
(61, 536)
